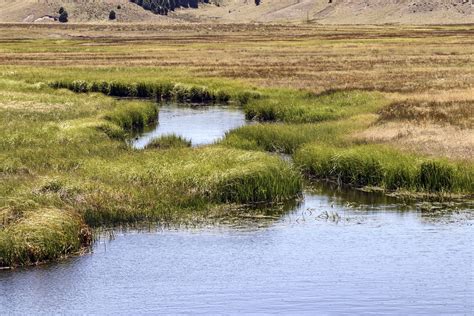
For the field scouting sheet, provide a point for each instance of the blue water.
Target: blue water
(332, 254)
(202, 124)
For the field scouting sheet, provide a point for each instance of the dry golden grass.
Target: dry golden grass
(434, 128)
(392, 59)
(431, 139)
(436, 123)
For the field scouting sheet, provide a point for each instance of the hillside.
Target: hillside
(341, 11)
(320, 11)
(79, 11)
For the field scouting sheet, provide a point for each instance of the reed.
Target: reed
(161, 91)
(370, 165)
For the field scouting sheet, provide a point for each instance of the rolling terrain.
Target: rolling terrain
(228, 11)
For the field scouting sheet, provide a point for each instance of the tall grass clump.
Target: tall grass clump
(258, 184)
(287, 138)
(43, 235)
(354, 167)
(301, 107)
(133, 115)
(168, 141)
(161, 91)
(371, 165)
(436, 176)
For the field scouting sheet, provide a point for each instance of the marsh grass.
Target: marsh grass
(371, 165)
(133, 116)
(160, 91)
(168, 141)
(288, 137)
(73, 156)
(301, 107)
(44, 235)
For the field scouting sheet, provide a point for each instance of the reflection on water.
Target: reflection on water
(335, 252)
(201, 124)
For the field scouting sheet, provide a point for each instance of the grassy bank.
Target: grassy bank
(65, 164)
(378, 166)
(318, 130)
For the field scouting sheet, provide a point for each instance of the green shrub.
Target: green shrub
(112, 15)
(63, 17)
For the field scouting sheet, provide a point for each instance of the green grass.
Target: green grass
(301, 107)
(62, 150)
(43, 235)
(288, 137)
(168, 141)
(378, 166)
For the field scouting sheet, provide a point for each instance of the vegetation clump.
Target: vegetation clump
(168, 141)
(370, 165)
(63, 17)
(162, 7)
(160, 91)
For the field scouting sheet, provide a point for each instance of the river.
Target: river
(335, 252)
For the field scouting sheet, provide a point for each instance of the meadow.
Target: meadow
(71, 96)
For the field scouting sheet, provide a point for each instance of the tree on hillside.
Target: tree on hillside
(257, 2)
(112, 15)
(63, 17)
(162, 7)
(61, 10)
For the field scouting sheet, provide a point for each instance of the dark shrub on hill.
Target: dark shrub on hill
(63, 17)
(162, 7)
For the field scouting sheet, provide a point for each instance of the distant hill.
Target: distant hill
(342, 11)
(319, 11)
(78, 10)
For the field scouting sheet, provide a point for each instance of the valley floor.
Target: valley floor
(371, 107)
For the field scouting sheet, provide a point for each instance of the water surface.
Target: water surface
(331, 254)
(202, 124)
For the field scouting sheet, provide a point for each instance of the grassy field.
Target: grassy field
(321, 94)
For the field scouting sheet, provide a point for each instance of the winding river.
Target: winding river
(335, 251)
